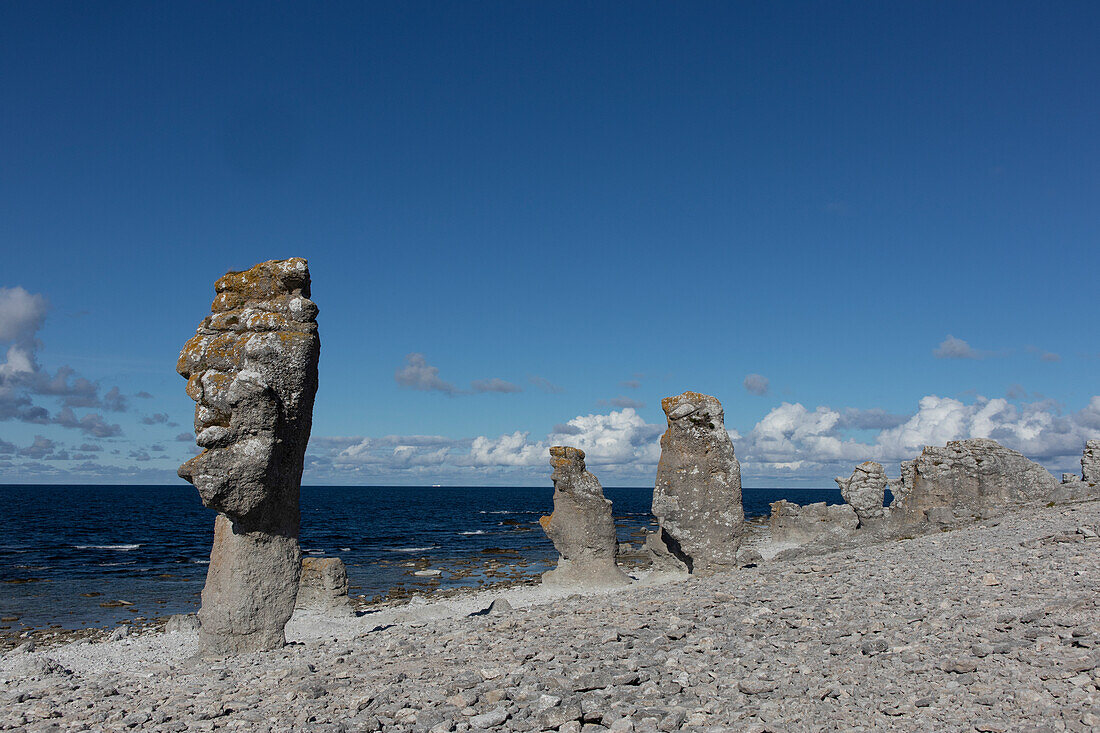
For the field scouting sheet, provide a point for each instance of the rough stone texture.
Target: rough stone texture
(900, 636)
(252, 370)
(820, 523)
(581, 527)
(1090, 463)
(864, 491)
(977, 476)
(697, 497)
(323, 586)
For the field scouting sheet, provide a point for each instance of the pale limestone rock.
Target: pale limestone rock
(864, 490)
(252, 370)
(978, 476)
(1090, 463)
(581, 526)
(697, 497)
(323, 586)
(819, 523)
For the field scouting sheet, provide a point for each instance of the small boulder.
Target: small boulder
(323, 586)
(182, 623)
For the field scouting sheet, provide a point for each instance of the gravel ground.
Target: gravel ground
(994, 627)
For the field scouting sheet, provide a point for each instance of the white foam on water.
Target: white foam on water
(120, 548)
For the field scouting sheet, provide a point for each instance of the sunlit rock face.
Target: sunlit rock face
(865, 491)
(323, 587)
(968, 477)
(1090, 463)
(581, 527)
(252, 370)
(697, 497)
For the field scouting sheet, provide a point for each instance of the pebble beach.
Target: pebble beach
(991, 627)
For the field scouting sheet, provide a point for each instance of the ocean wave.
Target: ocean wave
(473, 531)
(409, 549)
(497, 511)
(119, 548)
(114, 564)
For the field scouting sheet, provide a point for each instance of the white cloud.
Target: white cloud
(756, 384)
(956, 348)
(419, 374)
(494, 385)
(545, 385)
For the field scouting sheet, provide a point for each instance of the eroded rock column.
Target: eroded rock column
(697, 497)
(1090, 463)
(864, 491)
(252, 370)
(581, 526)
(323, 587)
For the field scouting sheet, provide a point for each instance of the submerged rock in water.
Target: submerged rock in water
(865, 490)
(978, 477)
(697, 497)
(581, 526)
(323, 586)
(252, 370)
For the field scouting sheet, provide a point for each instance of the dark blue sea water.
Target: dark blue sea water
(65, 550)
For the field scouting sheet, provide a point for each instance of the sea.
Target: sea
(94, 556)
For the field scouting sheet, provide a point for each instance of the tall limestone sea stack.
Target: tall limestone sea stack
(581, 527)
(697, 497)
(252, 370)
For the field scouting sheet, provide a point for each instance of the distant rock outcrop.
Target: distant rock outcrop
(697, 497)
(970, 477)
(581, 526)
(1090, 463)
(252, 370)
(819, 523)
(323, 586)
(865, 490)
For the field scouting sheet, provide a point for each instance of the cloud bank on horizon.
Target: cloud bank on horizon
(789, 443)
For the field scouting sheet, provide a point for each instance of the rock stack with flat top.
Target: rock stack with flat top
(581, 526)
(865, 490)
(697, 497)
(967, 478)
(252, 370)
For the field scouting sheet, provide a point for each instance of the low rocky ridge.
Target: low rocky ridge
(991, 627)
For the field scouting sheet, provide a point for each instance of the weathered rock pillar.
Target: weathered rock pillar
(581, 527)
(697, 497)
(1090, 463)
(252, 370)
(865, 490)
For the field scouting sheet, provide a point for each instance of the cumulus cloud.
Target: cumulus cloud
(6, 447)
(630, 384)
(185, 437)
(143, 395)
(756, 384)
(39, 449)
(495, 385)
(22, 314)
(420, 375)
(791, 438)
(158, 418)
(91, 424)
(545, 385)
(620, 440)
(956, 348)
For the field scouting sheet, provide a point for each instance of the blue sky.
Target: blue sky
(887, 213)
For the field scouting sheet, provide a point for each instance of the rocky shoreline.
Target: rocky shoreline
(994, 626)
